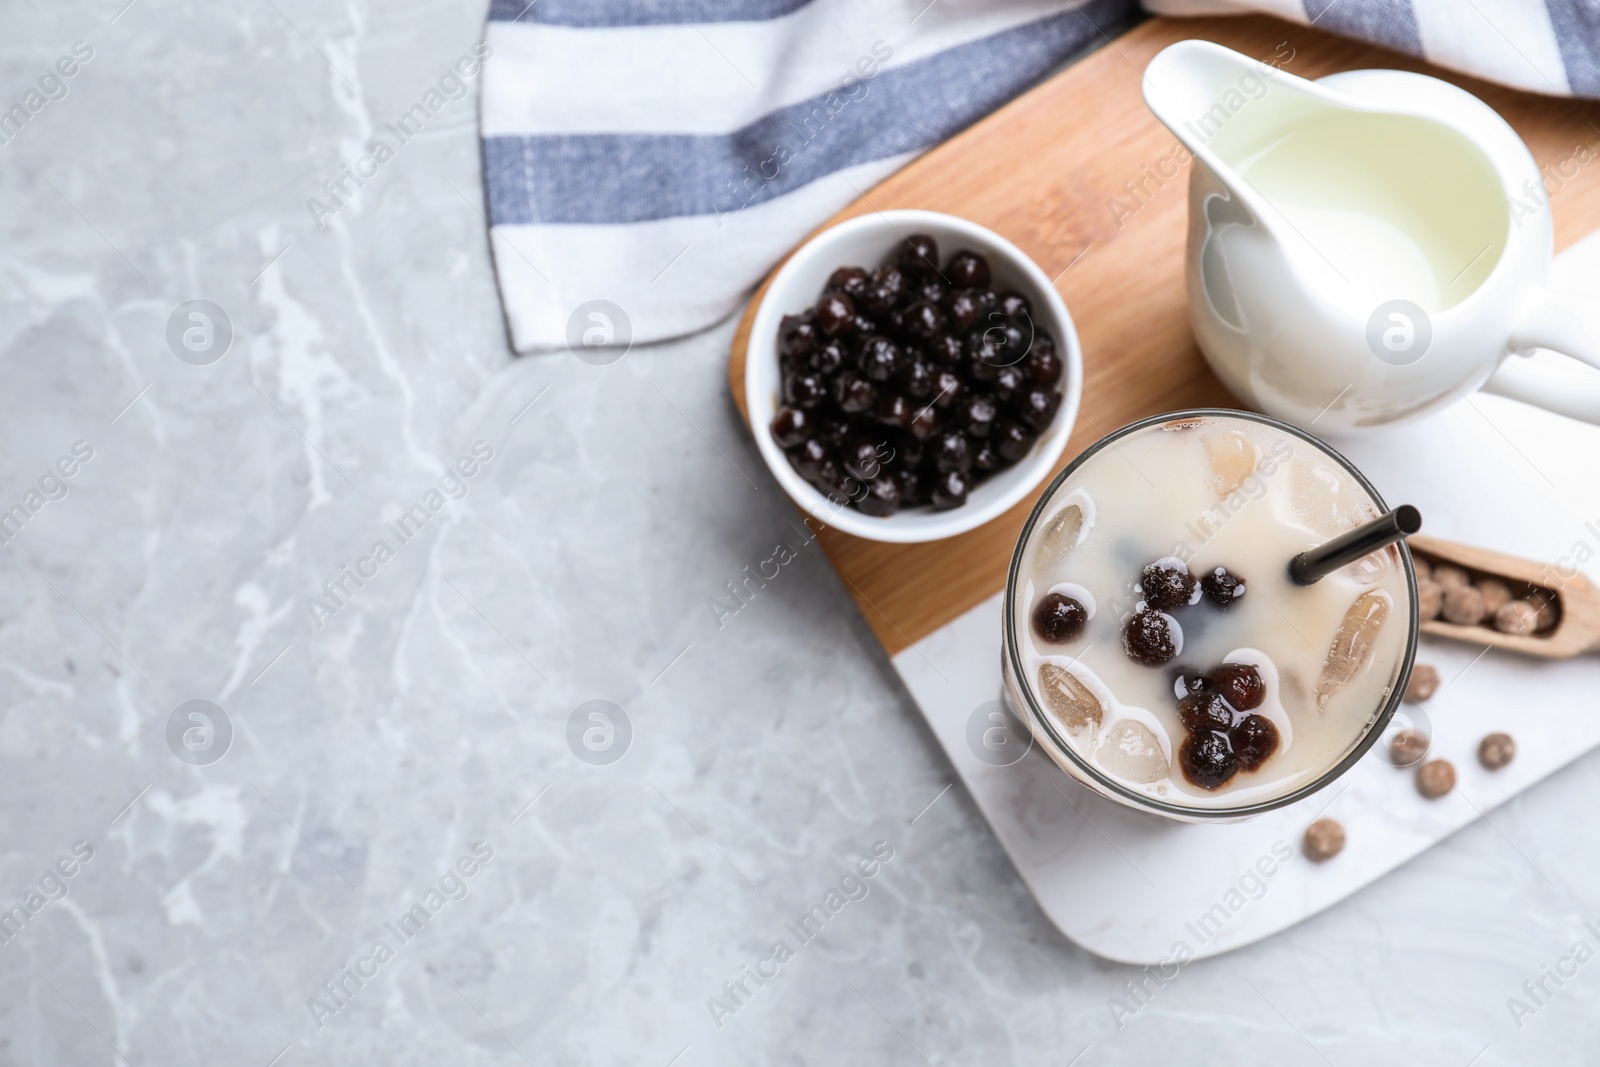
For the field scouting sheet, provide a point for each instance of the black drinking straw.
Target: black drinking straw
(1317, 563)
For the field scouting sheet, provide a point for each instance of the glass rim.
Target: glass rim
(1134, 797)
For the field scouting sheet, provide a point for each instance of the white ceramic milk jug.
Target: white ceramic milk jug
(1361, 248)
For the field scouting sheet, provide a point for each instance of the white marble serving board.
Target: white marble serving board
(1140, 889)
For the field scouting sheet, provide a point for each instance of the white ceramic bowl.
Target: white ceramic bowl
(869, 241)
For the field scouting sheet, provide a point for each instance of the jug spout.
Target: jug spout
(1209, 95)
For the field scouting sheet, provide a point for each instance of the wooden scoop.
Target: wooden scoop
(1577, 625)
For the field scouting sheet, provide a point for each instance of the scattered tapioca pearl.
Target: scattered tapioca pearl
(1324, 840)
(1436, 778)
(1423, 684)
(1408, 747)
(1496, 750)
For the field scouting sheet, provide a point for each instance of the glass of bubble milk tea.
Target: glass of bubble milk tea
(1155, 643)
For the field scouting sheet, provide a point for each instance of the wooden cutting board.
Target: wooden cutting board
(1071, 172)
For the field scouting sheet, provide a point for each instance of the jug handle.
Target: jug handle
(1561, 323)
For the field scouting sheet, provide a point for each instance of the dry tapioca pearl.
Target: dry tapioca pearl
(917, 378)
(983, 359)
(1207, 759)
(895, 410)
(835, 484)
(832, 432)
(1044, 366)
(1240, 684)
(893, 278)
(1038, 407)
(947, 389)
(960, 309)
(1059, 618)
(1005, 340)
(1463, 605)
(804, 390)
(1221, 587)
(1430, 599)
(1015, 306)
(946, 351)
(796, 335)
(880, 359)
(1448, 575)
(1015, 342)
(825, 477)
(879, 299)
(952, 452)
(1010, 383)
(1496, 750)
(1166, 585)
(853, 393)
(1205, 711)
(911, 488)
(807, 458)
(828, 358)
(1518, 618)
(1436, 778)
(1147, 637)
(1496, 595)
(923, 320)
(1013, 442)
(836, 314)
(1545, 604)
(1255, 739)
(919, 252)
(1423, 684)
(851, 281)
(881, 499)
(968, 270)
(949, 490)
(976, 414)
(790, 427)
(979, 373)
(862, 459)
(1324, 840)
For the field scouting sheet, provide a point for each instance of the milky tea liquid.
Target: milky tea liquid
(1211, 492)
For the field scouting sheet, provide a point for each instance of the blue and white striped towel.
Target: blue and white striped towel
(663, 154)
(1543, 46)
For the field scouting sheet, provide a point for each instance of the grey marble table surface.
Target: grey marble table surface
(423, 842)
